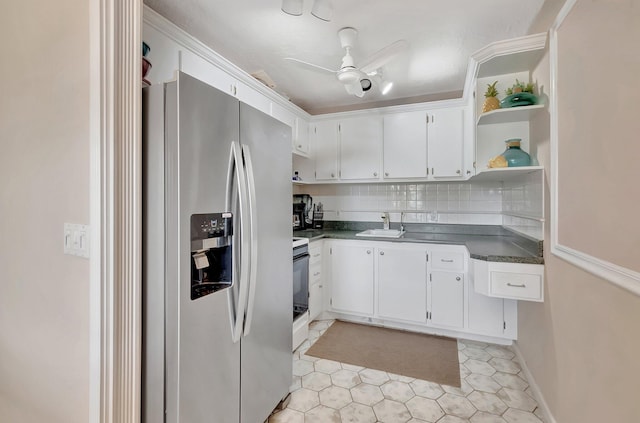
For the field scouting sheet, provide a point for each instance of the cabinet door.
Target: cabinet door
(405, 145)
(445, 140)
(360, 147)
(352, 279)
(446, 299)
(207, 72)
(301, 137)
(315, 300)
(315, 280)
(486, 314)
(325, 147)
(402, 283)
(252, 97)
(286, 117)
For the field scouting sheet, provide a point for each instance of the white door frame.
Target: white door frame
(115, 210)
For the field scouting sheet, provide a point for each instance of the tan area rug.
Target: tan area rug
(426, 357)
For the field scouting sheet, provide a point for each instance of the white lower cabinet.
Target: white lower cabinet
(402, 288)
(492, 316)
(352, 278)
(446, 299)
(446, 287)
(486, 314)
(316, 285)
(518, 281)
(412, 284)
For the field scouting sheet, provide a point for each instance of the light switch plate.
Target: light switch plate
(76, 239)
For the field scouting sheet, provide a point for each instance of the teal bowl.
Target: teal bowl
(519, 99)
(145, 49)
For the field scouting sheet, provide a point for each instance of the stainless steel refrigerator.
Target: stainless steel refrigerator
(217, 278)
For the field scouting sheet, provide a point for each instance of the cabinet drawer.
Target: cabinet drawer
(315, 273)
(447, 260)
(315, 253)
(519, 286)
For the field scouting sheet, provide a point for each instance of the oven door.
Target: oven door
(300, 280)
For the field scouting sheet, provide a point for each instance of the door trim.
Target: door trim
(115, 29)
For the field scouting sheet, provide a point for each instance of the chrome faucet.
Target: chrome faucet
(385, 220)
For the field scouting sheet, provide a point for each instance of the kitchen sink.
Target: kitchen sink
(381, 233)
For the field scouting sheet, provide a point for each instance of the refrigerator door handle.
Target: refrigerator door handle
(237, 305)
(253, 234)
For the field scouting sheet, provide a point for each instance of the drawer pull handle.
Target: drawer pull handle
(457, 278)
(317, 255)
(446, 260)
(516, 285)
(316, 274)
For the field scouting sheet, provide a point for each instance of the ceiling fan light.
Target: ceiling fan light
(292, 7)
(322, 9)
(385, 87)
(366, 84)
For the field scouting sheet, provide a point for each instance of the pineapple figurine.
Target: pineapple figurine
(491, 102)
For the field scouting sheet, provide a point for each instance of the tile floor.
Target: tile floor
(494, 390)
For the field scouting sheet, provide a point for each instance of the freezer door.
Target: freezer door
(202, 361)
(266, 372)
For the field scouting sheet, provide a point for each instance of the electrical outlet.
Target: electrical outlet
(76, 239)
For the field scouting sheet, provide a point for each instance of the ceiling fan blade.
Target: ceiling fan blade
(310, 65)
(382, 56)
(355, 89)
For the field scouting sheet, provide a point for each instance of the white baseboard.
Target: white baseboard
(544, 407)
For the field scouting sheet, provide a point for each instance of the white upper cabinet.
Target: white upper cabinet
(206, 71)
(445, 141)
(252, 97)
(425, 144)
(324, 137)
(290, 119)
(211, 74)
(405, 145)
(360, 147)
(301, 137)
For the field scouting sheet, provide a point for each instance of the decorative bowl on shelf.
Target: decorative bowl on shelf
(519, 99)
(145, 49)
(146, 66)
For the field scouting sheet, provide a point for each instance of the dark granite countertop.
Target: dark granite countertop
(487, 243)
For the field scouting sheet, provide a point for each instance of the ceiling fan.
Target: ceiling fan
(357, 80)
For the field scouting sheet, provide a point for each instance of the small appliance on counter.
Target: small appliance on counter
(302, 206)
(318, 214)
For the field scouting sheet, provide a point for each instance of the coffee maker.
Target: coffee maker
(302, 204)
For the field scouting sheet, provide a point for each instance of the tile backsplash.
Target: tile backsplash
(517, 205)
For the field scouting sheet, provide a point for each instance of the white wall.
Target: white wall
(44, 182)
(581, 345)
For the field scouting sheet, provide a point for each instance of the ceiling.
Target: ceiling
(441, 34)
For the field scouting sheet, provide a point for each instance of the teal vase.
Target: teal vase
(514, 155)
